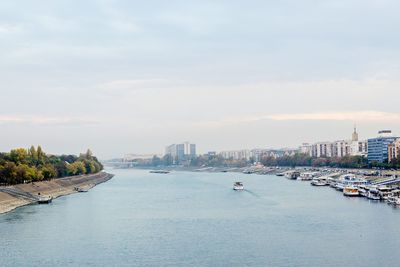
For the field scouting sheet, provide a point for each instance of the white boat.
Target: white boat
(44, 199)
(292, 175)
(373, 194)
(350, 191)
(238, 186)
(384, 192)
(320, 181)
(307, 176)
(393, 200)
(349, 180)
(363, 190)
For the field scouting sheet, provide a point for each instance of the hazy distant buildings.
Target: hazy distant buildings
(181, 152)
(322, 149)
(236, 154)
(306, 148)
(131, 157)
(257, 154)
(339, 148)
(378, 148)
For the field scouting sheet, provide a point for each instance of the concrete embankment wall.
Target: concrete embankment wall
(55, 188)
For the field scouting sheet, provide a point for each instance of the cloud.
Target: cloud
(365, 116)
(46, 120)
(6, 28)
(354, 116)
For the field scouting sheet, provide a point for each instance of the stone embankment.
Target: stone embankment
(12, 197)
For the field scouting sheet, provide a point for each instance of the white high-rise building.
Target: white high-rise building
(306, 148)
(180, 152)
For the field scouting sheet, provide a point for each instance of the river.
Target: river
(196, 219)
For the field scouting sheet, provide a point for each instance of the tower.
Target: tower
(354, 136)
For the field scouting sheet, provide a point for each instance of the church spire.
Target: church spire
(354, 136)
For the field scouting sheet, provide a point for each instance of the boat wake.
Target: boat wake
(252, 193)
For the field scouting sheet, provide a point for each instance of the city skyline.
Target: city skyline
(123, 76)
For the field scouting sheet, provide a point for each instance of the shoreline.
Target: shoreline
(56, 188)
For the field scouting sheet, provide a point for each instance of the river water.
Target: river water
(196, 219)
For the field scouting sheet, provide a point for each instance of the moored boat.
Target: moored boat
(363, 190)
(44, 199)
(350, 191)
(292, 175)
(373, 194)
(320, 181)
(307, 176)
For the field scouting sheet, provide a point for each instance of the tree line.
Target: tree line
(297, 159)
(32, 165)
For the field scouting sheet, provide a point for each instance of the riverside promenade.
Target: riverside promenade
(15, 196)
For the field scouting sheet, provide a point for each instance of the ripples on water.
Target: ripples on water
(196, 219)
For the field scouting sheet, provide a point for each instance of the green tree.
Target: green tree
(19, 155)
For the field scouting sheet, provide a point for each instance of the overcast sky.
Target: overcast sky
(133, 76)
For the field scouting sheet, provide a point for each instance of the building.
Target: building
(378, 148)
(322, 149)
(258, 153)
(181, 152)
(394, 150)
(306, 148)
(131, 157)
(341, 148)
(236, 154)
(357, 147)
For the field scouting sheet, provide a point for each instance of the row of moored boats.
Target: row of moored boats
(350, 185)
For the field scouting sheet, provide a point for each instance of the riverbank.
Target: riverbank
(55, 188)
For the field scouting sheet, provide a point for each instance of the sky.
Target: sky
(127, 76)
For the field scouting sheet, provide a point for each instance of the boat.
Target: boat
(44, 199)
(350, 191)
(280, 174)
(320, 181)
(238, 186)
(363, 190)
(160, 172)
(385, 192)
(292, 175)
(307, 176)
(393, 200)
(81, 189)
(349, 180)
(373, 194)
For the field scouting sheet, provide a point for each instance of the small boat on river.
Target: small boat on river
(237, 186)
(160, 171)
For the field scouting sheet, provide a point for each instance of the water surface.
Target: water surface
(196, 219)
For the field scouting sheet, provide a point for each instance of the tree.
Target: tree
(18, 155)
(40, 155)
